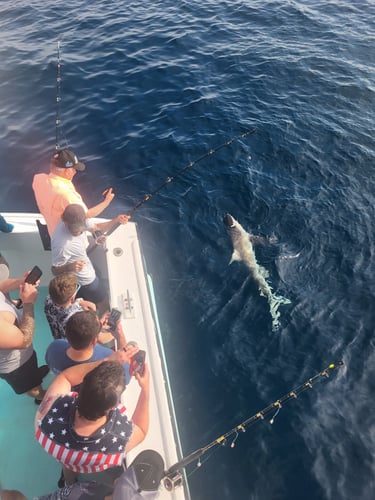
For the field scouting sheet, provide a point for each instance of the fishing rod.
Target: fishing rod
(179, 172)
(169, 179)
(182, 170)
(173, 476)
(58, 97)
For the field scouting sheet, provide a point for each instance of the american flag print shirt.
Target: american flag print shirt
(104, 449)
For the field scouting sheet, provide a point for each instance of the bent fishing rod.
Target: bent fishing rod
(169, 179)
(181, 171)
(58, 97)
(173, 476)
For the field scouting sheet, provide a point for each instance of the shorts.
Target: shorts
(26, 377)
(94, 292)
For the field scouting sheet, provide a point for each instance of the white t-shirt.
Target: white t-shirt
(67, 248)
(11, 359)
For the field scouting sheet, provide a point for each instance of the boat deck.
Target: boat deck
(26, 466)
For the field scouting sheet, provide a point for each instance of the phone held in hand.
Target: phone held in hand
(114, 316)
(33, 276)
(137, 363)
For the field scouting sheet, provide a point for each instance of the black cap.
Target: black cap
(64, 158)
(148, 469)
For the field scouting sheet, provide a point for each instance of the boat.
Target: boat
(26, 467)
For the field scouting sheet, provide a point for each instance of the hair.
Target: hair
(101, 390)
(73, 214)
(81, 329)
(63, 287)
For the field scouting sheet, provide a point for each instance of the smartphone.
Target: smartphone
(137, 363)
(33, 276)
(114, 316)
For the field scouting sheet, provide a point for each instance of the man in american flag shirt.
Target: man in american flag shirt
(89, 431)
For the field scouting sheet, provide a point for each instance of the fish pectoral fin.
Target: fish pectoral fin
(235, 256)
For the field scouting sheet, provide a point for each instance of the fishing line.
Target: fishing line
(182, 170)
(173, 476)
(169, 179)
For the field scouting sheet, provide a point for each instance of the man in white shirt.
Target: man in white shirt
(69, 243)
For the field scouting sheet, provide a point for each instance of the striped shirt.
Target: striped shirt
(96, 453)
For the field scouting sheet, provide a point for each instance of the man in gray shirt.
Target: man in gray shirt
(18, 361)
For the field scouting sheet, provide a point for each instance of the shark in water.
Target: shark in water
(243, 251)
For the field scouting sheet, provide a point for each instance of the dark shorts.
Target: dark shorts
(94, 292)
(26, 377)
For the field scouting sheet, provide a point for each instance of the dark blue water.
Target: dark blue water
(150, 86)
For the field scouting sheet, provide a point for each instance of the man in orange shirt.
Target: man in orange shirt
(55, 191)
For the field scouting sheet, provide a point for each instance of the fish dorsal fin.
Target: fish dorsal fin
(235, 256)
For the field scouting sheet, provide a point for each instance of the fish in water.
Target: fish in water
(243, 251)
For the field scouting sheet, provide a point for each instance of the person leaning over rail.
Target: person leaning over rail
(18, 361)
(55, 191)
(89, 431)
(69, 243)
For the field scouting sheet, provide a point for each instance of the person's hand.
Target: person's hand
(87, 305)
(28, 293)
(124, 355)
(108, 195)
(143, 378)
(77, 266)
(104, 320)
(100, 240)
(23, 277)
(122, 218)
(15, 283)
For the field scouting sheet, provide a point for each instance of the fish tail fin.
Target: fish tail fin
(275, 301)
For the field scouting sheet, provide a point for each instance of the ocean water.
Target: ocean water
(148, 87)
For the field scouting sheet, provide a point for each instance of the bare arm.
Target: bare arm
(72, 376)
(98, 209)
(19, 337)
(12, 284)
(141, 417)
(87, 305)
(105, 226)
(120, 335)
(107, 335)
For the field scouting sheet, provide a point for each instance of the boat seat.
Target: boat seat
(44, 235)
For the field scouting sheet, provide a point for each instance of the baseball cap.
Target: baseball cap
(74, 217)
(143, 475)
(64, 158)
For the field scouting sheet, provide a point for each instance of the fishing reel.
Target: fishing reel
(173, 480)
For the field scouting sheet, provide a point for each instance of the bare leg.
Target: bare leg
(12, 495)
